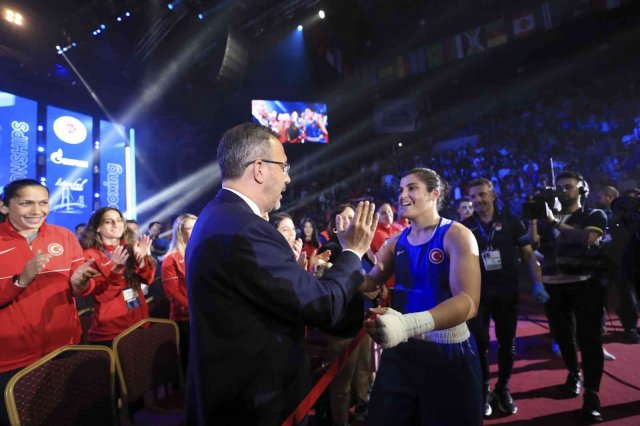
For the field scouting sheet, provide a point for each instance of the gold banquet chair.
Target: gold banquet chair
(148, 366)
(73, 385)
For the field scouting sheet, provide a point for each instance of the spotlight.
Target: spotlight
(321, 14)
(119, 19)
(103, 27)
(173, 4)
(299, 27)
(400, 144)
(40, 128)
(41, 149)
(57, 47)
(98, 31)
(127, 14)
(96, 195)
(13, 17)
(200, 16)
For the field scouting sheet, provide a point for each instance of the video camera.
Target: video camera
(535, 206)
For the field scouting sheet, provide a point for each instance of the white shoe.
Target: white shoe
(607, 355)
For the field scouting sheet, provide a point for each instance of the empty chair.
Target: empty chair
(148, 365)
(73, 385)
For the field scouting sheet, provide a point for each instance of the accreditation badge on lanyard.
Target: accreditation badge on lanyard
(490, 257)
(131, 298)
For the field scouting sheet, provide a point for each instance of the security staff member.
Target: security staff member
(568, 243)
(499, 236)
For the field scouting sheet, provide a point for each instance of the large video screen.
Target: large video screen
(294, 122)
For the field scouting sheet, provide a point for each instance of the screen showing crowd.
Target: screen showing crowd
(294, 122)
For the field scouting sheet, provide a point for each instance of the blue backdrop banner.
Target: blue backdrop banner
(113, 177)
(18, 138)
(69, 166)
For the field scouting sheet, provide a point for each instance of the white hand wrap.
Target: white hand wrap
(395, 328)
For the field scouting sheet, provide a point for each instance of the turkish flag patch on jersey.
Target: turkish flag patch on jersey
(436, 256)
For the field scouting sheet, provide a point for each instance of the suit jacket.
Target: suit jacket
(249, 302)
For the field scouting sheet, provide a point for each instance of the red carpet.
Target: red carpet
(538, 376)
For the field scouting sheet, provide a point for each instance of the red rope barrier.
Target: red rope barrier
(305, 406)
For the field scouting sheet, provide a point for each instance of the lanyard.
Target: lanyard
(487, 238)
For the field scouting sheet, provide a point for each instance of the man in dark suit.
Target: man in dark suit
(249, 300)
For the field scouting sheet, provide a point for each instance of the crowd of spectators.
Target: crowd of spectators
(594, 128)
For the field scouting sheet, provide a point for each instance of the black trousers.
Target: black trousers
(575, 310)
(504, 311)
(628, 307)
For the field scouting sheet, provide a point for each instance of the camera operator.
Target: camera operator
(616, 239)
(498, 235)
(569, 244)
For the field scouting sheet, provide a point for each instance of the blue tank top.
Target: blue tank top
(421, 272)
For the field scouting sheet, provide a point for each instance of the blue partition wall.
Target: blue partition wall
(18, 138)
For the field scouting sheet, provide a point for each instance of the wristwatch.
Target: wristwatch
(16, 281)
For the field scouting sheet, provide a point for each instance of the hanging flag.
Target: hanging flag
(495, 33)
(385, 73)
(401, 67)
(473, 41)
(421, 59)
(411, 59)
(453, 48)
(549, 16)
(606, 4)
(524, 24)
(435, 55)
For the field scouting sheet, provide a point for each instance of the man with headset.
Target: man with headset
(569, 244)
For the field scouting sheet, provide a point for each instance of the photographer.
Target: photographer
(499, 235)
(569, 244)
(615, 243)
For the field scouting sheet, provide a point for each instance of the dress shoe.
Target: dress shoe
(591, 410)
(574, 384)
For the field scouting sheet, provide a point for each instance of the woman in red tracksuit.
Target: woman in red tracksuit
(174, 281)
(122, 265)
(40, 264)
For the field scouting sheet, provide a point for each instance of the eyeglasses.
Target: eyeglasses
(285, 166)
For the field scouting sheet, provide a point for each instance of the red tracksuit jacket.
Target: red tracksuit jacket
(36, 320)
(111, 315)
(175, 285)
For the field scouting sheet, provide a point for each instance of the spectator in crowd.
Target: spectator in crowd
(41, 266)
(132, 226)
(614, 243)
(309, 234)
(80, 228)
(123, 264)
(174, 280)
(464, 208)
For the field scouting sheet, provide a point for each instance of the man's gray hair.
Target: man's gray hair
(241, 145)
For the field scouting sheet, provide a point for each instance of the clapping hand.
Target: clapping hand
(141, 248)
(82, 274)
(33, 267)
(119, 256)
